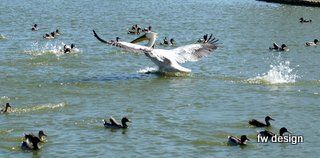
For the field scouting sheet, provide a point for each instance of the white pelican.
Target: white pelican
(166, 60)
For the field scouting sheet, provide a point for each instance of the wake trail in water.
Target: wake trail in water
(156, 71)
(38, 108)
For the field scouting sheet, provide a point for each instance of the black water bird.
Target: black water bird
(168, 42)
(34, 28)
(49, 36)
(147, 29)
(68, 49)
(314, 43)
(31, 142)
(302, 20)
(283, 47)
(6, 109)
(234, 141)
(135, 31)
(269, 134)
(257, 123)
(42, 136)
(115, 125)
(57, 32)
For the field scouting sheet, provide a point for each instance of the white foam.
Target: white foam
(39, 107)
(148, 70)
(278, 74)
(51, 48)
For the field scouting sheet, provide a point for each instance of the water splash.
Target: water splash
(2, 37)
(156, 71)
(148, 70)
(278, 74)
(49, 48)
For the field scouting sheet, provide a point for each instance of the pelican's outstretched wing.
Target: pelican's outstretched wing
(130, 47)
(194, 52)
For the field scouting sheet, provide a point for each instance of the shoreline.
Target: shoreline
(309, 3)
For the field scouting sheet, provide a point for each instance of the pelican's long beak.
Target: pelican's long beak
(140, 39)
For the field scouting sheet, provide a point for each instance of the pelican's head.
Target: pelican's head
(149, 36)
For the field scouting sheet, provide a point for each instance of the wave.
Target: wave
(156, 71)
(38, 108)
(2, 37)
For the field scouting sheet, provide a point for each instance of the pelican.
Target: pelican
(168, 61)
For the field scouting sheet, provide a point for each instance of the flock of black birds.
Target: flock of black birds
(31, 142)
(136, 30)
(53, 35)
(284, 47)
(232, 140)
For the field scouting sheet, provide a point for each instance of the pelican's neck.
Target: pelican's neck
(151, 42)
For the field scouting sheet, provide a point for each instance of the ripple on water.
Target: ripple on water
(36, 108)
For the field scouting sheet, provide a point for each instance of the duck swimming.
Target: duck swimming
(168, 42)
(283, 48)
(115, 125)
(56, 33)
(49, 36)
(269, 134)
(314, 43)
(234, 141)
(135, 31)
(147, 29)
(302, 20)
(6, 109)
(68, 49)
(31, 141)
(42, 136)
(35, 27)
(257, 123)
